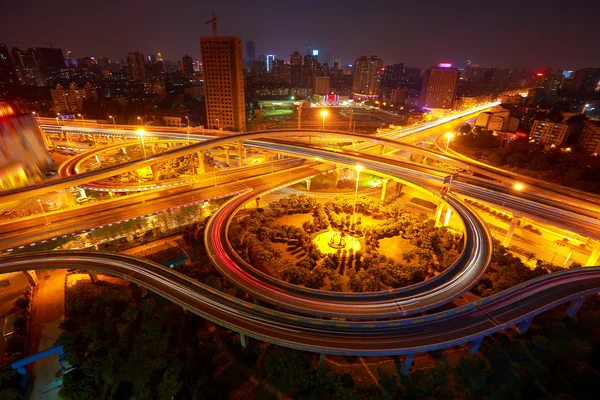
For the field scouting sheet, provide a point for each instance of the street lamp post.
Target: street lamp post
(141, 120)
(324, 113)
(358, 169)
(113, 118)
(449, 136)
(141, 132)
(188, 129)
(82, 119)
(43, 211)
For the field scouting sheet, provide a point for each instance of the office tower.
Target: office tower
(28, 66)
(52, 59)
(366, 78)
(321, 85)
(590, 137)
(439, 87)
(398, 97)
(392, 76)
(188, 65)
(250, 52)
(137, 67)
(411, 76)
(296, 69)
(8, 74)
(224, 82)
(587, 79)
(269, 62)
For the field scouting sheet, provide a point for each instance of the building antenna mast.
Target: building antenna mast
(214, 23)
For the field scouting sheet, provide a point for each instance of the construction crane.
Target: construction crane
(214, 23)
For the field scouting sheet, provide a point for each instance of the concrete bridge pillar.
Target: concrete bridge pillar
(98, 160)
(475, 345)
(399, 187)
(240, 154)
(124, 150)
(383, 190)
(93, 277)
(201, 166)
(338, 174)
(322, 357)
(523, 326)
(406, 363)
(438, 214)
(308, 185)
(243, 341)
(32, 276)
(448, 215)
(154, 168)
(574, 307)
(226, 155)
(511, 231)
(257, 206)
(593, 260)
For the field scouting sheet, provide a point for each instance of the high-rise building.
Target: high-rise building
(137, 67)
(296, 69)
(269, 61)
(8, 75)
(28, 66)
(321, 85)
(550, 133)
(70, 100)
(366, 79)
(587, 79)
(590, 137)
(250, 52)
(188, 65)
(398, 97)
(52, 59)
(439, 87)
(224, 82)
(392, 76)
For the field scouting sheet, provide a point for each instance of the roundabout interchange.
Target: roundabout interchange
(333, 322)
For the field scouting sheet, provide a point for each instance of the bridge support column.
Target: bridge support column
(438, 214)
(322, 357)
(448, 215)
(383, 191)
(308, 185)
(382, 151)
(227, 156)
(240, 154)
(201, 166)
(154, 169)
(511, 230)
(243, 341)
(32, 276)
(399, 188)
(406, 363)
(475, 345)
(338, 174)
(593, 260)
(257, 202)
(574, 307)
(93, 277)
(523, 326)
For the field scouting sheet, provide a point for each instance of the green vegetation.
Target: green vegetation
(125, 347)
(431, 249)
(568, 168)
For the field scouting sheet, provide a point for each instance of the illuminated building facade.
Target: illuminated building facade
(137, 67)
(70, 100)
(366, 79)
(439, 87)
(550, 133)
(224, 82)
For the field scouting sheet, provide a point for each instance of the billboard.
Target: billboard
(315, 53)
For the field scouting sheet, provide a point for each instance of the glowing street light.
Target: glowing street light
(141, 133)
(188, 128)
(518, 186)
(113, 118)
(82, 119)
(449, 136)
(585, 108)
(324, 113)
(141, 120)
(358, 168)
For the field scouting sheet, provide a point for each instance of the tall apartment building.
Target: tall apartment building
(321, 85)
(70, 100)
(590, 137)
(224, 82)
(137, 67)
(296, 69)
(392, 76)
(366, 79)
(8, 75)
(439, 87)
(188, 65)
(250, 52)
(550, 133)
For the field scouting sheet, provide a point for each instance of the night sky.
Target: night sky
(525, 33)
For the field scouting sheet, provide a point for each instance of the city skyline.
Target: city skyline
(420, 39)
